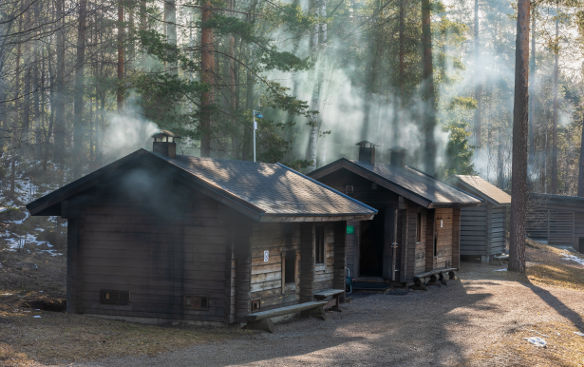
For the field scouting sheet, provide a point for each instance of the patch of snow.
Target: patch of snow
(3, 209)
(39, 229)
(26, 216)
(579, 333)
(37, 316)
(574, 258)
(16, 242)
(502, 269)
(537, 341)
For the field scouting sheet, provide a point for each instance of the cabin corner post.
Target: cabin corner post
(339, 264)
(306, 261)
(74, 279)
(456, 237)
(242, 251)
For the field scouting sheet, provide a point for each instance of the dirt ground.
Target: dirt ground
(482, 319)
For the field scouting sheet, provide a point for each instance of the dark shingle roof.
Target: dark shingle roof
(266, 192)
(485, 189)
(417, 186)
(273, 188)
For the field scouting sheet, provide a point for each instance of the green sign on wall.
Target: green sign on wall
(350, 229)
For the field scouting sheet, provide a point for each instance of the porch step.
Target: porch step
(378, 286)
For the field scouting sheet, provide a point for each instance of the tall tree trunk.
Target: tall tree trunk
(479, 87)
(208, 78)
(519, 162)
(401, 71)
(317, 40)
(531, 159)
(581, 160)
(79, 89)
(121, 57)
(59, 148)
(554, 138)
(429, 94)
(170, 30)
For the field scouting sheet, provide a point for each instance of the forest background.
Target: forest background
(84, 82)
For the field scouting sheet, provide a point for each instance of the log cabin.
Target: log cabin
(483, 228)
(157, 236)
(417, 228)
(557, 219)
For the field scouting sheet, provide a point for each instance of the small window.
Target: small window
(419, 228)
(196, 302)
(319, 245)
(290, 267)
(114, 297)
(255, 305)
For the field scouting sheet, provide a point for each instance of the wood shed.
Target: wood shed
(417, 229)
(484, 227)
(557, 219)
(160, 236)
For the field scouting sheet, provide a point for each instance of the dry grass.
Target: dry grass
(564, 348)
(547, 267)
(62, 338)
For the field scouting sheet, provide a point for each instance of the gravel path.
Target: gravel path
(441, 326)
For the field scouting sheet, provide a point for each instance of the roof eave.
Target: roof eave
(274, 218)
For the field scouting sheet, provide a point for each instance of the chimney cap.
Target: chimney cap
(165, 133)
(365, 144)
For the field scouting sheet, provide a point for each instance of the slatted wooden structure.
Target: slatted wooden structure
(417, 228)
(557, 219)
(483, 227)
(184, 238)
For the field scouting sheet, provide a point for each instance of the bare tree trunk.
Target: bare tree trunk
(554, 139)
(520, 120)
(207, 77)
(121, 38)
(170, 27)
(429, 93)
(318, 39)
(479, 87)
(581, 161)
(531, 160)
(79, 88)
(59, 140)
(401, 71)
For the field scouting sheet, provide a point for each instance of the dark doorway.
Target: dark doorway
(371, 246)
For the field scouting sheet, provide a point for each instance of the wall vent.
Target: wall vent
(197, 302)
(255, 305)
(114, 297)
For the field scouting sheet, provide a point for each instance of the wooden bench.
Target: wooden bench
(330, 294)
(261, 320)
(423, 279)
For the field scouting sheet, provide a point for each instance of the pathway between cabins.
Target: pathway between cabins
(442, 326)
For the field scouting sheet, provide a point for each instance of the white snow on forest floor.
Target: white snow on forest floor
(16, 242)
(571, 257)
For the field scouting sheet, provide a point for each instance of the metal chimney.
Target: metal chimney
(164, 143)
(366, 152)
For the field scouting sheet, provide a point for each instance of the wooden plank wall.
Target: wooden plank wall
(266, 277)
(421, 245)
(429, 235)
(496, 229)
(410, 245)
(557, 226)
(126, 248)
(352, 248)
(444, 245)
(474, 231)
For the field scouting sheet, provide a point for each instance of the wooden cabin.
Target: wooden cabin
(417, 229)
(159, 236)
(483, 228)
(556, 219)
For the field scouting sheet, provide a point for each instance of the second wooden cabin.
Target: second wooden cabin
(417, 229)
(483, 227)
